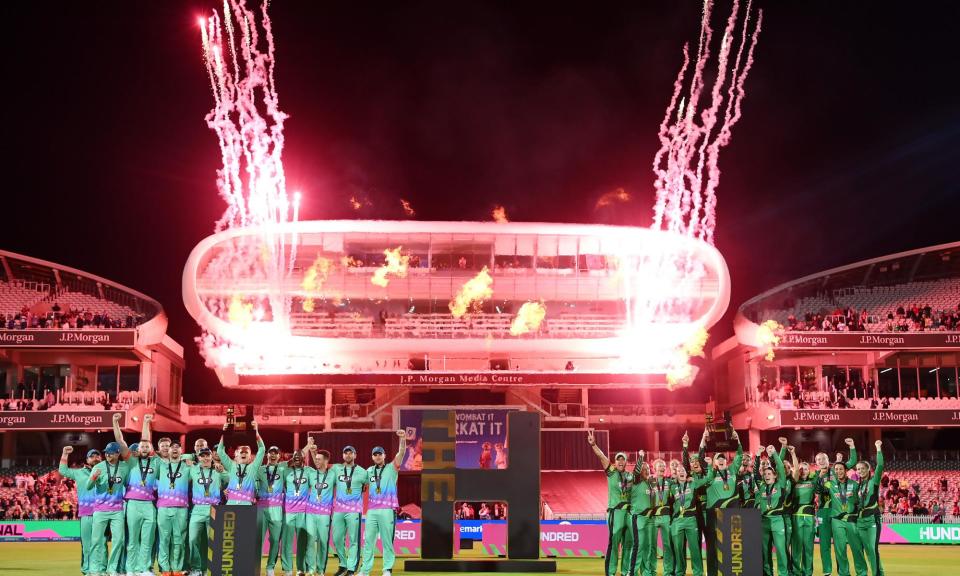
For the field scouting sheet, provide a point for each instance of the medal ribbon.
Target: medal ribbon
(297, 480)
(348, 478)
(377, 475)
(206, 481)
(111, 476)
(143, 470)
(241, 473)
(171, 473)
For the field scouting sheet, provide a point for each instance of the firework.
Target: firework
(472, 293)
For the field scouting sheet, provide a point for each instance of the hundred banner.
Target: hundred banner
(56, 420)
(869, 340)
(557, 537)
(856, 418)
(42, 338)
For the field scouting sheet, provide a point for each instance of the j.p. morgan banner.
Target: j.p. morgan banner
(67, 338)
(55, 420)
(869, 340)
(458, 379)
(870, 418)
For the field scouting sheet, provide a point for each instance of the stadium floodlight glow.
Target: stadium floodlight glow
(665, 291)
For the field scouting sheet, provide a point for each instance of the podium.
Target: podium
(232, 541)
(738, 534)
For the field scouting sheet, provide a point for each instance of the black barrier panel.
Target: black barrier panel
(442, 484)
(233, 549)
(738, 535)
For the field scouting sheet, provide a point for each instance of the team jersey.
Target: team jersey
(206, 485)
(747, 487)
(722, 485)
(270, 484)
(110, 486)
(869, 490)
(618, 488)
(86, 496)
(242, 487)
(173, 484)
(702, 459)
(383, 488)
(641, 497)
(683, 496)
(660, 490)
(350, 481)
(770, 498)
(844, 501)
(142, 481)
(297, 484)
(321, 494)
(804, 490)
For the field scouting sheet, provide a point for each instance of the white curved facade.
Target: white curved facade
(312, 307)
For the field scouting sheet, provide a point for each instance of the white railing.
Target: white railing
(911, 519)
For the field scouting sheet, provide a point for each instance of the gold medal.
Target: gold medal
(143, 482)
(110, 490)
(378, 489)
(349, 490)
(683, 509)
(270, 488)
(206, 491)
(171, 485)
(726, 486)
(844, 507)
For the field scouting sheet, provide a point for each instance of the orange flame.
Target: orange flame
(395, 264)
(407, 208)
(679, 370)
(473, 292)
(619, 195)
(240, 313)
(528, 318)
(316, 274)
(768, 334)
(354, 203)
(499, 215)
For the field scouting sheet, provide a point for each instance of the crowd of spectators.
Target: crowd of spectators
(908, 500)
(906, 318)
(480, 511)
(31, 496)
(56, 318)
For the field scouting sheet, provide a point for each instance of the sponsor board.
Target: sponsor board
(557, 537)
(458, 379)
(857, 418)
(869, 340)
(44, 338)
(55, 420)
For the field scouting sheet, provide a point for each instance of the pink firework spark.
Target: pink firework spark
(692, 136)
(246, 117)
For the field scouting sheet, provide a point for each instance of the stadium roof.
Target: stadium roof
(931, 263)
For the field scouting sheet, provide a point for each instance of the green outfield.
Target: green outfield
(62, 559)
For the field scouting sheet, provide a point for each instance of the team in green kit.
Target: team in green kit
(138, 507)
(796, 504)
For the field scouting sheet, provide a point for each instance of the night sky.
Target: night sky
(848, 148)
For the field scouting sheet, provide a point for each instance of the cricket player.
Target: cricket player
(869, 523)
(141, 496)
(108, 479)
(844, 511)
(173, 485)
(347, 509)
(319, 510)
(242, 471)
(206, 490)
(824, 520)
(270, 504)
(684, 529)
(382, 507)
(618, 508)
(86, 500)
(771, 497)
(721, 492)
(641, 517)
(660, 485)
(297, 483)
(804, 518)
